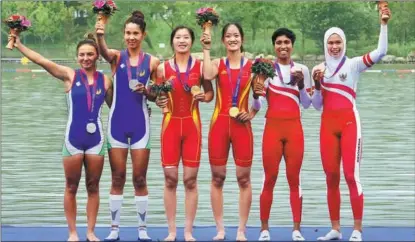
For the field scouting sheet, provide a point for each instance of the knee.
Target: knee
(293, 178)
(271, 175)
(244, 181)
(190, 183)
(218, 180)
(118, 180)
(140, 182)
(72, 185)
(171, 182)
(293, 181)
(92, 186)
(350, 178)
(332, 178)
(269, 182)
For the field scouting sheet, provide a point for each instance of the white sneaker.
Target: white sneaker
(264, 236)
(332, 235)
(356, 236)
(142, 234)
(114, 235)
(297, 236)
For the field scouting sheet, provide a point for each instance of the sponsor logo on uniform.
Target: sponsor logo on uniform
(223, 72)
(98, 91)
(122, 65)
(78, 84)
(142, 73)
(359, 150)
(343, 77)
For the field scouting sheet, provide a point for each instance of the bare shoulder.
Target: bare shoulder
(160, 68)
(70, 74)
(154, 60)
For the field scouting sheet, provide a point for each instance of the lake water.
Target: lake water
(34, 119)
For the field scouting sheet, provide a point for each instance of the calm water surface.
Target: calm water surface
(33, 124)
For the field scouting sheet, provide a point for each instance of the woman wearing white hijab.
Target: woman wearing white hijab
(340, 133)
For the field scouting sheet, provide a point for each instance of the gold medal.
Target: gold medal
(233, 112)
(195, 90)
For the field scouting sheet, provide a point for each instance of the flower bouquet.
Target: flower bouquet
(17, 23)
(206, 18)
(262, 69)
(162, 90)
(381, 5)
(104, 9)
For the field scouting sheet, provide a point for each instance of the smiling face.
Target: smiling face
(232, 38)
(87, 56)
(182, 41)
(283, 47)
(133, 35)
(335, 45)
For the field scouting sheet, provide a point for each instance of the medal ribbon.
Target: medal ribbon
(140, 60)
(277, 67)
(338, 67)
(184, 82)
(235, 91)
(90, 97)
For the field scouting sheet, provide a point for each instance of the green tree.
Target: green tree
(314, 19)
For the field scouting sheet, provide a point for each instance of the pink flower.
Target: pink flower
(99, 3)
(25, 22)
(201, 10)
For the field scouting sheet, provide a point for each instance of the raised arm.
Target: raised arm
(60, 72)
(361, 63)
(210, 68)
(110, 55)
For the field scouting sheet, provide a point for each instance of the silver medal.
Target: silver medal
(91, 128)
(132, 84)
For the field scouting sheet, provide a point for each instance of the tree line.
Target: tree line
(64, 23)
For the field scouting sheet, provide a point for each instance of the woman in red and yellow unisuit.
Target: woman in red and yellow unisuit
(230, 123)
(181, 135)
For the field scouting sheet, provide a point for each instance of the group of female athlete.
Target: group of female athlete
(331, 87)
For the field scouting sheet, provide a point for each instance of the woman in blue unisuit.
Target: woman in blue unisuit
(129, 125)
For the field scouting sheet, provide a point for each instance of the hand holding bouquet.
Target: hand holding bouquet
(206, 18)
(383, 6)
(104, 9)
(161, 90)
(17, 23)
(262, 69)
